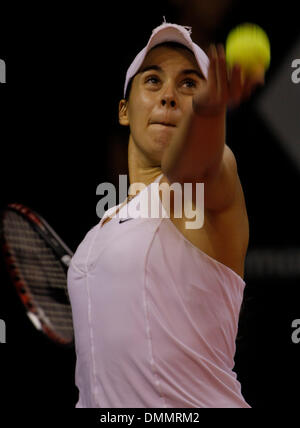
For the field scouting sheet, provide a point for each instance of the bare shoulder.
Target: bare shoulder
(222, 187)
(225, 233)
(228, 225)
(225, 190)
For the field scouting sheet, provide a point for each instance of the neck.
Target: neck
(140, 171)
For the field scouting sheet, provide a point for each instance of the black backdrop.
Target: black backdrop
(60, 138)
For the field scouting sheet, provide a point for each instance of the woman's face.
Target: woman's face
(161, 95)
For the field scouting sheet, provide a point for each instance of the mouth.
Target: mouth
(171, 125)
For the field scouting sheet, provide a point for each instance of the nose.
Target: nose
(165, 101)
(168, 98)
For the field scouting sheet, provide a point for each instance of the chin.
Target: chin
(161, 142)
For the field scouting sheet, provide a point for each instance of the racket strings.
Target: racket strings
(42, 272)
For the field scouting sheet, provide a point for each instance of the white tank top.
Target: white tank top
(155, 318)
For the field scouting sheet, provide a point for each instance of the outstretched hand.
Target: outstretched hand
(224, 88)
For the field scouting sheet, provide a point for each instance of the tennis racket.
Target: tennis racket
(37, 261)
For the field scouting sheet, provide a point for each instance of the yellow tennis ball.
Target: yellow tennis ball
(248, 45)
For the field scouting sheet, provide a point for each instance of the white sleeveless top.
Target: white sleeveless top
(155, 318)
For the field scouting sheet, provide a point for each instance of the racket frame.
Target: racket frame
(61, 250)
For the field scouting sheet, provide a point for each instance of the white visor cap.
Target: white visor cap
(168, 33)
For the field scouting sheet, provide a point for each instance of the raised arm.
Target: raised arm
(198, 152)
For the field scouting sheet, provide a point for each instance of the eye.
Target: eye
(152, 80)
(189, 83)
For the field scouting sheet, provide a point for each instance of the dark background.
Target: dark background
(60, 138)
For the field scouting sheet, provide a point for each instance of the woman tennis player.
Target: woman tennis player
(156, 304)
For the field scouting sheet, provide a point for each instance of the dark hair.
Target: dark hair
(166, 44)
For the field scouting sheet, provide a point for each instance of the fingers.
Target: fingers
(230, 86)
(212, 77)
(217, 74)
(222, 73)
(223, 86)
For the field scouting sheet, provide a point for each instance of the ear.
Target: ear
(123, 113)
